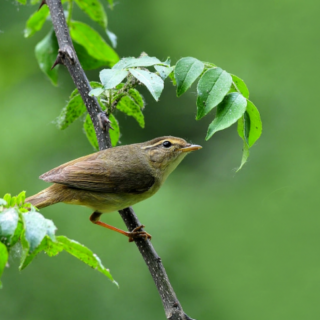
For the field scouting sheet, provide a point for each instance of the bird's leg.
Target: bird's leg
(134, 234)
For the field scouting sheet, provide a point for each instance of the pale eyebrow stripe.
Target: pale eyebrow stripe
(156, 144)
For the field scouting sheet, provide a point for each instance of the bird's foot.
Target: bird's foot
(136, 233)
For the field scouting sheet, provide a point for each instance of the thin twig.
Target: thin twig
(68, 57)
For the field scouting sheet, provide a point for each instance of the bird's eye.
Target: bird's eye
(166, 144)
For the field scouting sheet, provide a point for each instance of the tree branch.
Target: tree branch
(67, 56)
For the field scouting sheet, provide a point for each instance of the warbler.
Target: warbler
(115, 178)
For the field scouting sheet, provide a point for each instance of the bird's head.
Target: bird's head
(165, 153)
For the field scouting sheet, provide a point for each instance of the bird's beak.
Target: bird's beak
(190, 147)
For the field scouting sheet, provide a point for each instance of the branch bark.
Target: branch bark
(67, 56)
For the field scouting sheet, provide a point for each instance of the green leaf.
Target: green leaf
(212, 88)
(7, 199)
(90, 132)
(94, 9)
(129, 107)
(244, 127)
(36, 21)
(34, 1)
(72, 111)
(167, 62)
(46, 52)
(3, 259)
(136, 97)
(209, 65)
(238, 85)
(93, 42)
(255, 128)
(84, 254)
(113, 38)
(123, 63)
(8, 224)
(36, 228)
(88, 62)
(110, 78)
(144, 61)
(229, 111)
(22, 1)
(115, 133)
(25, 246)
(250, 125)
(186, 72)
(96, 92)
(21, 197)
(153, 82)
(17, 233)
(164, 71)
(173, 79)
(51, 248)
(13, 202)
(245, 155)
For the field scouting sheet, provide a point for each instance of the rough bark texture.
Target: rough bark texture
(67, 56)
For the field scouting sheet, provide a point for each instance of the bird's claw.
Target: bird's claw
(136, 233)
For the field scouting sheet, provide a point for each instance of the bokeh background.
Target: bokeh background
(235, 245)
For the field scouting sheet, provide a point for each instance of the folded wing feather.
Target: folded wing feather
(95, 175)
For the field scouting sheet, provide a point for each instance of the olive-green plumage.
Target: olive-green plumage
(115, 178)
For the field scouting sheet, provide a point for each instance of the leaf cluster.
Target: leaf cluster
(216, 88)
(26, 233)
(92, 50)
(228, 93)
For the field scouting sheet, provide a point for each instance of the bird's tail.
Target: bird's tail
(46, 197)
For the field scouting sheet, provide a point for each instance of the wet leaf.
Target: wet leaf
(212, 88)
(9, 219)
(110, 78)
(96, 92)
(153, 82)
(186, 73)
(130, 62)
(229, 111)
(84, 254)
(164, 71)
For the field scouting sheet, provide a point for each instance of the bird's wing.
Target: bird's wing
(101, 176)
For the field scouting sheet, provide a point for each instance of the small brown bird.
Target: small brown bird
(114, 179)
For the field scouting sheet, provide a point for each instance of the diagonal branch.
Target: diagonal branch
(67, 56)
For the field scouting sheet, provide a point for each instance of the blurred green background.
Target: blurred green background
(235, 245)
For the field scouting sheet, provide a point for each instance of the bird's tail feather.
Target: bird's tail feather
(46, 197)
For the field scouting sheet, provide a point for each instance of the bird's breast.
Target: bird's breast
(108, 202)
